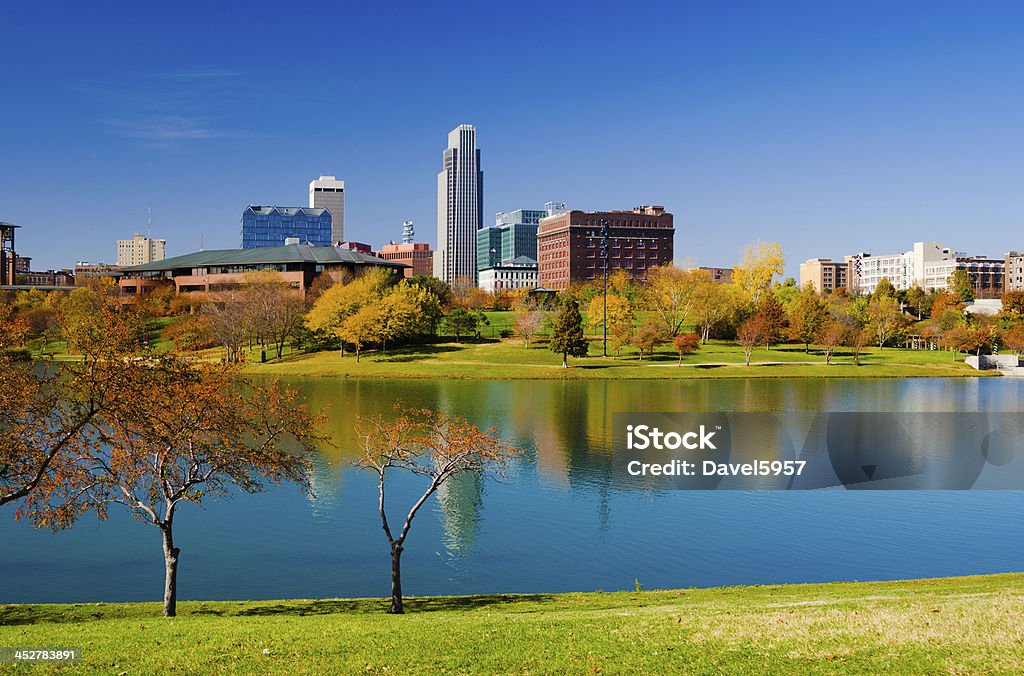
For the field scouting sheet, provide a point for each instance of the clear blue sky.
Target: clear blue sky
(829, 127)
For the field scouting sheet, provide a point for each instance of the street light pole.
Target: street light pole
(604, 255)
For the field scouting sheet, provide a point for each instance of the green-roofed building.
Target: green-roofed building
(223, 269)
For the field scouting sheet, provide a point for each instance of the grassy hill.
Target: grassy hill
(953, 625)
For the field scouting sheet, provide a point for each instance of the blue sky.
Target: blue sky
(829, 127)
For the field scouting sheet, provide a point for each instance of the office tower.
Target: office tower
(460, 204)
(139, 250)
(327, 192)
(271, 226)
(513, 234)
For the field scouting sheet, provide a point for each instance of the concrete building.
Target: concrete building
(225, 269)
(417, 255)
(361, 247)
(719, 275)
(269, 226)
(928, 265)
(84, 271)
(520, 273)
(8, 256)
(140, 249)
(460, 204)
(1014, 270)
(903, 270)
(327, 192)
(513, 234)
(824, 274)
(569, 244)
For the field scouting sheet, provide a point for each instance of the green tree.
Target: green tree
(960, 284)
(885, 320)
(884, 289)
(917, 298)
(567, 336)
(461, 322)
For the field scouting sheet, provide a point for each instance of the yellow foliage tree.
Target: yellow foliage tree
(761, 262)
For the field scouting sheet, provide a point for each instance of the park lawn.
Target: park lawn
(509, 359)
(952, 625)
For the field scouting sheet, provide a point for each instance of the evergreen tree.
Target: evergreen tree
(567, 336)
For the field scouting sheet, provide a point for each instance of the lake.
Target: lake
(566, 519)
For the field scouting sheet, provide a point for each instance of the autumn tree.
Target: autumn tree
(885, 320)
(620, 311)
(963, 339)
(275, 307)
(830, 336)
(567, 337)
(200, 432)
(343, 299)
(750, 335)
(948, 311)
(761, 262)
(528, 324)
(856, 338)
(1013, 306)
(44, 411)
(670, 294)
(1013, 338)
(713, 304)
(229, 321)
(430, 445)
(686, 343)
(647, 337)
(807, 318)
(772, 320)
(360, 328)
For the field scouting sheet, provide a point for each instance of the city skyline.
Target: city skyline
(826, 128)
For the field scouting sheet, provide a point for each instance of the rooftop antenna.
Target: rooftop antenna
(201, 241)
(149, 219)
(408, 232)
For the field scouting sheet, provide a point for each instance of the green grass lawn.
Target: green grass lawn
(954, 625)
(508, 359)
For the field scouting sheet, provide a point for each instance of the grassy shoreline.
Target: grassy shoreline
(509, 360)
(953, 625)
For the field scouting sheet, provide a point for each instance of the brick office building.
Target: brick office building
(417, 255)
(569, 244)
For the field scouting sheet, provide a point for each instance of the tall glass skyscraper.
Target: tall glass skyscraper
(460, 207)
(271, 226)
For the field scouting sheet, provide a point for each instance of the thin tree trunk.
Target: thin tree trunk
(565, 363)
(170, 572)
(396, 579)
(357, 353)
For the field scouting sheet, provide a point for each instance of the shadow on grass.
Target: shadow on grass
(18, 615)
(415, 354)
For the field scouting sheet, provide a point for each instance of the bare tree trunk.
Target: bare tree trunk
(565, 363)
(396, 579)
(170, 572)
(357, 353)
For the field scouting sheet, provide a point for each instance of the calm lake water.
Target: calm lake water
(565, 519)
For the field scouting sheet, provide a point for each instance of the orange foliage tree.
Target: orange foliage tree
(191, 432)
(44, 410)
(431, 445)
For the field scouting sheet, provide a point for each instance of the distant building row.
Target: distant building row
(928, 265)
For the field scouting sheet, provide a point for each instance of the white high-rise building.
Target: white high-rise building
(460, 207)
(327, 192)
(140, 250)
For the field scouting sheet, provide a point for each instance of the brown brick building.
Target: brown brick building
(417, 255)
(569, 244)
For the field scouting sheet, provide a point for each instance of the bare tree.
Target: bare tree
(749, 335)
(230, 321)
(528, 324)
(431, 445)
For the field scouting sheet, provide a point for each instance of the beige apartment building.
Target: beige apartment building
(140, 250)
(824, 274)
(1014, 271)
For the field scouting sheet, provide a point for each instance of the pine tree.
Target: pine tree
(567, 333)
